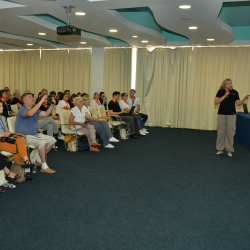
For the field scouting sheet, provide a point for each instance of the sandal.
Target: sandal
(28, 164)
(16, 176)
(2, 191)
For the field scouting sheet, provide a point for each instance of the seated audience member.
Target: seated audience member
(101, 127)
(26, 123)
(67, 92)
(134, 101)
(78, 118)
(16, 99)
(51, 123)
(42, 93)
(9, 99)
(58, 96)
(6, 106)
(7, 172)
(63, 103)
(71, 101)
(18, 148)
(26, 91)
(95, 102)
(83, 94)
(103, 100)
(53, 94)
(79, 94)
(124, 106)
(132, 121)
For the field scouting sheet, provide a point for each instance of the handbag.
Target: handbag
(70, 143)
(123, 134)
(17, 169)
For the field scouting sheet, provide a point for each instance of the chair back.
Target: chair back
(11, 121)
(64, 117)
(102, 113)
(53, 112)
(94, 112)
(14, 108)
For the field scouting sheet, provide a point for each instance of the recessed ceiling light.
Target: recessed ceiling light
(113, 30)
(83, 42)
(172, 47)
(80, 13)
(30, 44)
(185, 7)
(144, 41)
(210, 39)
(134, 36)
(193, 28)
(42, 34)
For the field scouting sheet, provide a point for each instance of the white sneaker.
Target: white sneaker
(113, 139)
(230, 154)
(219, 152)
(141, 132)
(109, 146)
(61, 137)
(145, 131)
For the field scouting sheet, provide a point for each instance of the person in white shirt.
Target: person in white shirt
(101, 127)
(134, 101)
(78, 118)
(63, 103)
(95, 102)
(126, 107)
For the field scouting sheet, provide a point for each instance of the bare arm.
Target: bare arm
(115, 113)
(138, 108)
(32, 111)
(90, 117)
(46, 113)
(240, 102)
(219, 100)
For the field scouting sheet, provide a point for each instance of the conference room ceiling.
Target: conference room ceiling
(160, 22)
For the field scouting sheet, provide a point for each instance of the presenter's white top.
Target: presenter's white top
(79, 116)
(61, 105)
(124, 105)
(134, 102)
(95, 103)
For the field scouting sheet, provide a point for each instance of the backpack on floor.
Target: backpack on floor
(70, 143)
(83, 144)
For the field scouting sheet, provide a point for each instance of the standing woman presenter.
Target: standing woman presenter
(226, 118)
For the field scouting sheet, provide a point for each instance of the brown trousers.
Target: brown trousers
(226, 128)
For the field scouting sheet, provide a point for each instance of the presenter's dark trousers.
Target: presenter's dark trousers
(144, 117)
(133, 123)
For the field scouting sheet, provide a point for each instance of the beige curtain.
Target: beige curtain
(117, 71)
(177, 87)
(52, 69)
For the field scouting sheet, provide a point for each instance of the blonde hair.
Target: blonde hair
(15, 92)
(85, 97)
(95, 94)
(224, 83)
(77, 99)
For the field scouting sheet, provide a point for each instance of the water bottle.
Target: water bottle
(9, 185)
(34, 170)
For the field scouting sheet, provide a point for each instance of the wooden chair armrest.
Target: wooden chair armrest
(40, 131)
(115, 115)
(19, 134)
(67, 124)
(105, 117)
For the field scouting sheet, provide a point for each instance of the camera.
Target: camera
(8, 139)
(50, 102)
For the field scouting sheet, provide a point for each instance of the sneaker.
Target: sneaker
(109, 146)
(61, 137)
(145, 131)
(47, 170)
(219, 153)
(141, 132)
(113, 139)
(230, 154)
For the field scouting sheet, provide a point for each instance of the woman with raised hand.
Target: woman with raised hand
(226, 118)
(78, 119)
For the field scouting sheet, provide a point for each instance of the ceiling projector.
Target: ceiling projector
(68, 29)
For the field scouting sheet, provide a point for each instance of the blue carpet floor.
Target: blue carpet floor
(167, 190)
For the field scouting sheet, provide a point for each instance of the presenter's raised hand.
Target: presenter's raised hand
(246, 97)
(227, 93)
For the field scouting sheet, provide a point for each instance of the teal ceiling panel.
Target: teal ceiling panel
(143, 16)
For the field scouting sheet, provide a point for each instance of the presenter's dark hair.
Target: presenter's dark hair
(116, 93)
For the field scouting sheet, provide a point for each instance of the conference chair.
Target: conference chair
(94, 112)
(53, 112)
(14, 108)
(66, 127)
